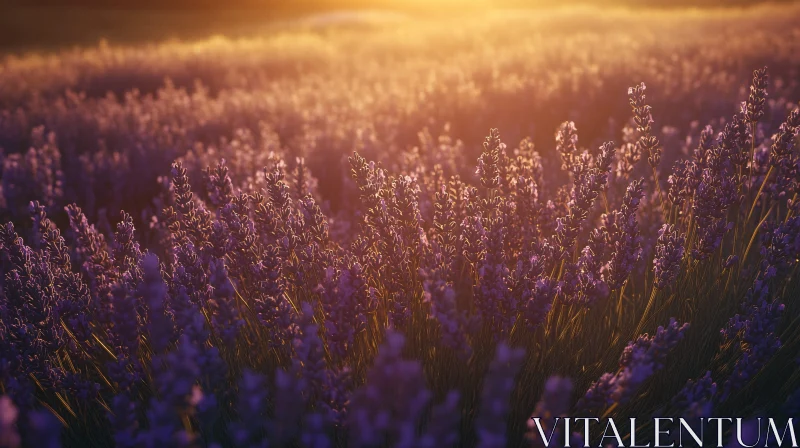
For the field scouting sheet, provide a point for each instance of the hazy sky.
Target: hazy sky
(45, 24)
(313, 5)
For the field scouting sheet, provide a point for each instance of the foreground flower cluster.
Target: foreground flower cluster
(419, 303)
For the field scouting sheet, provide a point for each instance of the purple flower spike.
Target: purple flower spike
(225, 320)
(695, 400)
(160, 326)
(488, 169)
(499, 383)
(669, 255)
(640, 359)
(567, 145)
(346, 301)
(555, 403)
(391, 402)
(9, 437)
(123, 420)
(44, 429)
(624, 237)
(251, 406)
(589, 181)
(643, 119)
(758, 95)
(453, 323)
(537, 301)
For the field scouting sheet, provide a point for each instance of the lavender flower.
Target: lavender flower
(346, 301)
(159, 324)
(583, 283)
(270, 304)
(473, 239)
(715, 193)
(758, 95)
(588, 184)
(445, 223)
(220, 186)
(490, 423)
(488, 169)
(537, 300)
(226, 320)
(34, 175)
(782, 158)
(731, 261)
(780, 247)
(669, 255)
(176, 377)
(390, 404)
(91, 254)
(443, 424)
(43, 429)
(287, 426)
(695, 400)
(624, 237)
(640, 359)
(454, 324)
(678, 182)
(186, 217)
(493, 299)
(126, 321)
(554, 404)
(123, 420)
(643, 119)
(754, 337)
(251, 406)
(126, 251)
(9, 437)
(309, 356)
(567, 146)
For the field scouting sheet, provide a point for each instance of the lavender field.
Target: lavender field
(371, 231)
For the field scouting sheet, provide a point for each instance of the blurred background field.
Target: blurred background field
(327, 84)
(53, 24)
(127, 110)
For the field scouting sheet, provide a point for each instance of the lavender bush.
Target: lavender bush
(279, 250)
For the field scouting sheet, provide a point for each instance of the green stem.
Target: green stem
(760, 190)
